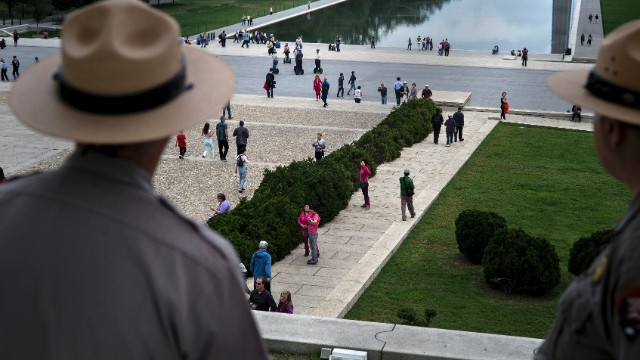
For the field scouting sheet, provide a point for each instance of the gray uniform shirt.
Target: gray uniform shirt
(93, 265)
(599, 314)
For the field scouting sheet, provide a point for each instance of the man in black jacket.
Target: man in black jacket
(458, 119)
(436, 122)
(260, 298)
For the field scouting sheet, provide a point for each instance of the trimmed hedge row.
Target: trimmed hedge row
(271, 213)
(512, 260)
(515, 261)
(585, 250)
(474, 229)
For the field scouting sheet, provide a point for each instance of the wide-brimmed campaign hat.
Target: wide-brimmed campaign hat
(121, 77)
(612, 87)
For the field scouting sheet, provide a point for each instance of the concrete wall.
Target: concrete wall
(299, 334)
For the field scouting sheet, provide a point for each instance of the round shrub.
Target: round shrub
(474, 229)
(515, 261)
(586, 249)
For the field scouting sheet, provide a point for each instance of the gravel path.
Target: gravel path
(278, 136)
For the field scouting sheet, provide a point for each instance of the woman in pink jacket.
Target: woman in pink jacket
(364, 184)
(303, 222)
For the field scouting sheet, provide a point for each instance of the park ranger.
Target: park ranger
(94, 265)
(599, 314)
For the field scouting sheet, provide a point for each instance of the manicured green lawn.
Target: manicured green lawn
(196, 16)
(618, 12)
(545, 181)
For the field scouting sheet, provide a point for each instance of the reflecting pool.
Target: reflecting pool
(468, 24)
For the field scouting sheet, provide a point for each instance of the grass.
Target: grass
(545, 181)
(618, 12)
(196, 16)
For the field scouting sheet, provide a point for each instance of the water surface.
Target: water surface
(468, 24)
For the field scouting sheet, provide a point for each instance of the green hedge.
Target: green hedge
(585, 250)
(272, 212)
(474, 229)
(515, 261)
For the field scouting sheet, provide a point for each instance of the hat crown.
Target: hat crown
(619, 57)
(119, 47)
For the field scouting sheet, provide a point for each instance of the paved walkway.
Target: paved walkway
(358, 243)
(593, 28)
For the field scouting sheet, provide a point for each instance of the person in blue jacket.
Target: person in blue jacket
(261, 265)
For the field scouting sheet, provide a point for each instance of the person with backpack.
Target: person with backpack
(241, 168)
(406, 195)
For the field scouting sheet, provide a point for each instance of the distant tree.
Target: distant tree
(40, 9)
(10, 5)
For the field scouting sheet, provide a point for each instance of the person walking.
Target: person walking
(222, 134)
(319, 146)
(364, 184)
(241, 169)
(15, 64)
(525, 56)
(590, 17)
(181, 143)
(426, 92)
(458, 118)
(409, 44)
(589, 38)
(504, 106)
(406, 195)
(340, 85)
(436, 124)
(3, 70)
(383, 93)
(303, 223)
(114, 270)
(241, 133)
(338, 42)
(285, 305)
(398, 86)
(207, 133)
(325, 91)
(352, 82)
(317, 86)
(413, 93)
(270, 83)
(597, 317)
(15, 37)
(313, 222)
(260, 265)
(450, 128)
(228, 110)
(582, 39)
(357, 95)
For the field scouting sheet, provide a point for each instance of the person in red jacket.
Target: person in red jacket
(317, 86)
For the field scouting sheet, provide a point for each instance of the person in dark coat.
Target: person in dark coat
(458, 118)
(436, 123)
(450, 126)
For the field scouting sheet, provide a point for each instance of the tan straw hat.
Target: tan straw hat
(121, 77)
(612, 88)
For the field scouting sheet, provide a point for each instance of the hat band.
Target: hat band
(605, 90)
(126, 104)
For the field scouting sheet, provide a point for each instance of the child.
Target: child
(451, 128)
(181, 142)
(357, 95)
(285, 305)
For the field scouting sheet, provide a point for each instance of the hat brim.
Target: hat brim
(35, 101)
(570, 85)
